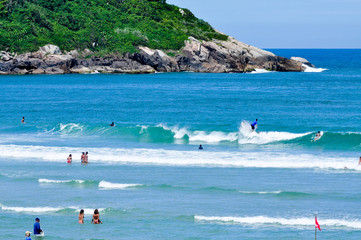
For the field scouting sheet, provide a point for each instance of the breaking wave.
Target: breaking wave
(108, 185)
(312, 69)
(280, 222)
(48, 210)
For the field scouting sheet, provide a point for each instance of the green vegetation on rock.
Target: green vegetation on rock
(107, 26)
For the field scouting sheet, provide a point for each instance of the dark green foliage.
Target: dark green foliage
(106, 26)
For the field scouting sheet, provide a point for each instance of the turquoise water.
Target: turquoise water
(146, 174)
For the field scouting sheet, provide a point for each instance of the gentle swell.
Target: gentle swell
(278, 222)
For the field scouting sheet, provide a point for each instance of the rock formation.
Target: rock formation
(196, 56)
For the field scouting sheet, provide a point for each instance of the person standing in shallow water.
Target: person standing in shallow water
(82, 157)
(86, 157)
(37, 229)
(96, 219)
(81, 216)
(69, 159)
(23, 120)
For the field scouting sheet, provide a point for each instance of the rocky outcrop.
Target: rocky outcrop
(303, 60)
(196, 56)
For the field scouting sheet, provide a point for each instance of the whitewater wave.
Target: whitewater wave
(245, 135)
(277, 222)
(44, 180)
(260, 70)
(48, 210)
(169, 134)
(250, 159)
(108, 185)
(261, 192)
(312, 69)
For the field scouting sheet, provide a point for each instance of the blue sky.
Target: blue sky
(283, 23)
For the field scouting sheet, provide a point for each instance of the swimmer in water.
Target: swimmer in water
(96, 219)
(70, 159)
(23, 120)
(112, 124)
(200, 147)
(359, 161)
(81, 216)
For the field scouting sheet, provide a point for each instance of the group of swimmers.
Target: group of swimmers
(95, 219)
(83, 158)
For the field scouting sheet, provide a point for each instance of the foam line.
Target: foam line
(252, 159)
(276, 222)
(44, 180)
(108, 185)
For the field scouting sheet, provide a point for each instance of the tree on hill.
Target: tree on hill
(104, 26)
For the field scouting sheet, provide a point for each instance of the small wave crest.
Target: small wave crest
(44, 180)
(108, 185)
(49, 210)
(277, 222)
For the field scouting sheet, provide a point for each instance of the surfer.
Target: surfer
(82, 157)
(112, 124)
(70, 159)
(318, 134)
(95, 219)
(200, 147)
(37, 229)
(23, 120)
(27, 235)
(254, 125)
(81, 216)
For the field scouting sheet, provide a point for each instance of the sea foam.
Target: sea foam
(239, 159)
(278, 222)
(312, 69)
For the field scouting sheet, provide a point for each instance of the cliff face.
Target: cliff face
(214, 56)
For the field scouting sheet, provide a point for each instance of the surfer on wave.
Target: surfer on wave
(254, 125)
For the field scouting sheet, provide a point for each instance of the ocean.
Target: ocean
(147, 176)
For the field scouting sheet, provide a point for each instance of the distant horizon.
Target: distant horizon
(280, 24)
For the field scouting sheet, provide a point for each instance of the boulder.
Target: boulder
(50, 49)
(303, 60)
(54, 70)
(80, 69)
(38, 71)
